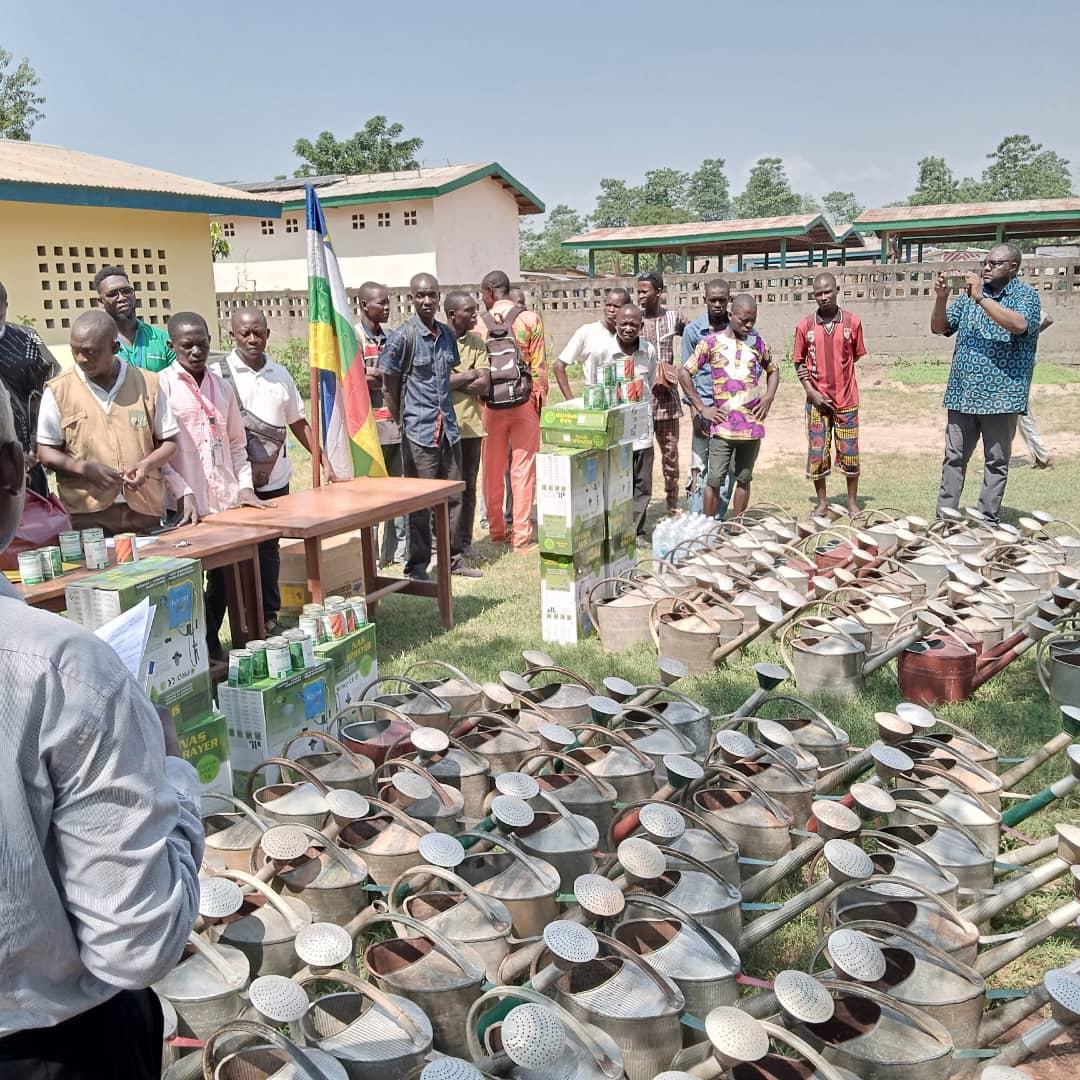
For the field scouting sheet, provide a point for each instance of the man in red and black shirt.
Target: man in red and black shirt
(827, 345)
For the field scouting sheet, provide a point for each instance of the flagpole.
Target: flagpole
(316, 427)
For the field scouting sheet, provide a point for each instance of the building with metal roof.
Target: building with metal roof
(456, 222)
(904, 230)
(740, 237)
(65, 214)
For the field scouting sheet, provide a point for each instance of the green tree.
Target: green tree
(708, 197)
(936, 184)
(19, 101)
(219, 246)
(376, 147)
(768, 192)
(542, 249)
(841, 207)
(614, 204)
(664, 187)
(1021, 169)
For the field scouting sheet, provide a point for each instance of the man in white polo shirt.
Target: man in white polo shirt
(270, 407)
(590, 345)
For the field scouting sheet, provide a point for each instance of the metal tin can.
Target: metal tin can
(241, 667)
(259, 670)
(359, 607)
(609, 373)
(127, 549)
(348, 612)
(309, 623)
(335, 623)
(71, 546)
(278, 658)
(30, 569)
(301, 649)
(594, 397)
(312, 609)
(56, 560)
(96, 554)
(92, 534)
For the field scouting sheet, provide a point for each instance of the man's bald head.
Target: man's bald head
(250, 335)
(93, 327)
(95, 341)
(185, 320)
(245, 315)
(744, 301)
(423, 283)
(825, 279)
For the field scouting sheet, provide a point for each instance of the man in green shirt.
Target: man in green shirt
(465, 384)
(141, 345)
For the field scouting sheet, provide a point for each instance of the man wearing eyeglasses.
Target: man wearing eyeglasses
(996, 323)
(141, 345)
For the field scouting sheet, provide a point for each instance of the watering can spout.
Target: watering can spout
(769, 677)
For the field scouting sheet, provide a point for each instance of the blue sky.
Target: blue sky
(849, 94)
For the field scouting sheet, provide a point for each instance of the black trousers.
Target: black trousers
(643, 470)
(118, 1040)
(470, 471)
(442, 462)
(269, 571)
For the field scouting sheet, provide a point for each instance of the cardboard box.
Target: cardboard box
(175, 669)
(206, 746)
(619, 520)
(569, 499)
(565, 584)
(637, 424)
(618, 475)
(342, 570)
(356, 666)
(620, 555)
(261, 717)
(570, 424)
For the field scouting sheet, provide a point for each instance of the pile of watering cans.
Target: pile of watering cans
(541, 878)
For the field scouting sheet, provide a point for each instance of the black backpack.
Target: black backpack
(511, 379)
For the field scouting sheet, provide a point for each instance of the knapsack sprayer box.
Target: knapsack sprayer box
(570, 424)
(261, 717)
(620, 555)
(569, 499)
(175, 668)
(206, 746)
(565, 584)
(618, 475)
(356, 666)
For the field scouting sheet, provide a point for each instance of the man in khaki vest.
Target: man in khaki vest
(107, 431)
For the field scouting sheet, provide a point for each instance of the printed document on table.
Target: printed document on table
(128, 634)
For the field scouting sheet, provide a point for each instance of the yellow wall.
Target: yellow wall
(187, 283)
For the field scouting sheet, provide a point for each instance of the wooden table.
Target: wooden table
(361, 504)
(234, 548)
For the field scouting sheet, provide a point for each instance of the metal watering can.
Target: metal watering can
(566, 702)
(450, 762)
(824, 657)
(499, 741)
(410, 787)
(612, 756)
(1057, 663)
(689, 718)
(388, 840)
(460, 692)
(335, 764)
(370, 728)
(442, 977)
(578, 788)
(565, 840)
(271, 1057)
(813, 732)
(420, 704)
(230, 836)
(205, 987)
(287, 803)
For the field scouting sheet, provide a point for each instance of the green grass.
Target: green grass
(497, 617)
(928, 371)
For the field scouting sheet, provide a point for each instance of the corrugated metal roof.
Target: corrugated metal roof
(718, 229)
(968, 210)
(40, 166)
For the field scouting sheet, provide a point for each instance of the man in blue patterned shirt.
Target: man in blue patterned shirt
(997, 330)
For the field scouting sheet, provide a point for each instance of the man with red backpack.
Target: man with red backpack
(514, 338)
(828, 343)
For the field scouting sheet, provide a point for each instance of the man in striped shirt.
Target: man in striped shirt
(659, 327)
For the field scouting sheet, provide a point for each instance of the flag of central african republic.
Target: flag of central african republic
(349, 437)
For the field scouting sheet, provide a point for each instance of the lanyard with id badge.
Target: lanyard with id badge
(217, 446)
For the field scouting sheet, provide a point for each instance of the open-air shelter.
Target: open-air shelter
(775, 237)
(904, 228)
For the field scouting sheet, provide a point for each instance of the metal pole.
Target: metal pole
(316, 424)
(592, 263)
(783, 252)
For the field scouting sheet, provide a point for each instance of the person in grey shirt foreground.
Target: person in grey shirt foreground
(100, 842)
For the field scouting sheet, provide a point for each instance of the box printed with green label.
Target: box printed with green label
(570, 424)
(206, 745)
(356, 666)
(618, 475)
(175, 668)
(565, 584)
(261, 717)
(620, 556)
(569, 499)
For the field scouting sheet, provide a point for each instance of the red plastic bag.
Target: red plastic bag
(42, 522)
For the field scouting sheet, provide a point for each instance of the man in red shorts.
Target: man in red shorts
(827, 345)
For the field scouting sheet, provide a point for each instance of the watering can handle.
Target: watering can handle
(233, 801)
(530, 705)
(478, 900)
(656, 718)
(212, 956)
(672, 994)
(646, 572)
(943, 819)
(604, 1063)
(373, 993)
(905, 845)
(556, 669)
(618, 737)
(883, 514)
(916, 1017)
(963, 732)
(501, 841)
(287, 763)
(357, 759)
(815, 714)
(414, 825)
(436, 937)
(685, 812)
(660, 903)
(417, 688)
(496, 720)
(777, 809)
(447, 667)
(437, 788)
(307, 1070)
(920, 738)
(375, 707)
(329, 847)
(822, 1067)
(917, 887)
(876, 926)
(823, 628)
(700, 864)
(574, 764)
(272, 898)
(1042, 665)
(591, 603)
(569, 818)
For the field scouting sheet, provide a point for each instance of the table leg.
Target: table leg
(251, 581)
(371, 571)
(313, 558)
(442, 539)
(234, 602)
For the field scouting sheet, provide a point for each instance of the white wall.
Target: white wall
(275, 275)
(477, 231)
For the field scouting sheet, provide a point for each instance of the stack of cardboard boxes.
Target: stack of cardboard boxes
(584, 502)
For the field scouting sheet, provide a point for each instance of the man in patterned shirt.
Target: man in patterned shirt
(737, 356)
(996, 324)
(659, 327)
